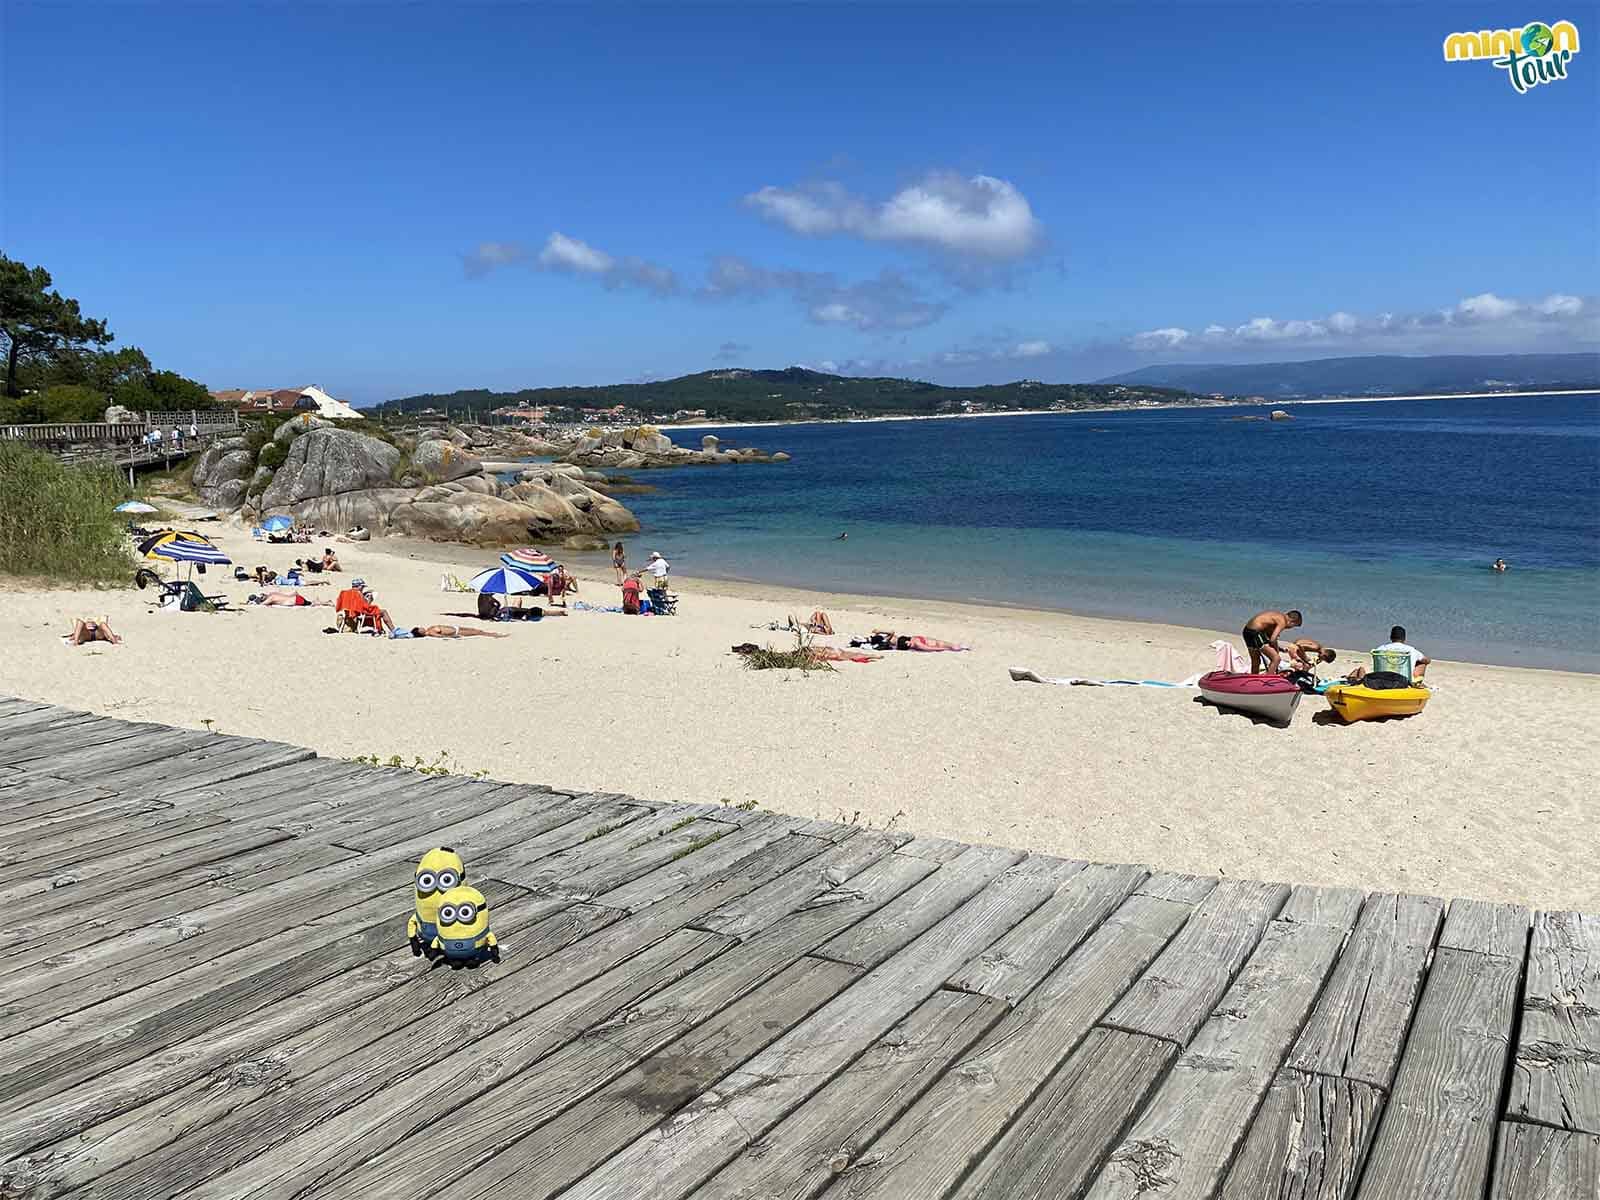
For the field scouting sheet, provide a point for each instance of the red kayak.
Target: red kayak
(1269, 696)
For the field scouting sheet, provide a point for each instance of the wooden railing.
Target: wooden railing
(209, 423)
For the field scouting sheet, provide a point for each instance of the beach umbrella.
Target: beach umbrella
(136, 507)
(504, 581)
(534, 562)
(278, 524)
(172, 545)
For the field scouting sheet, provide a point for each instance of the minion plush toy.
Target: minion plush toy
(464, 938)
(438, 872)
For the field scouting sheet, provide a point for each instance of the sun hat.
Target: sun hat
(655, 554)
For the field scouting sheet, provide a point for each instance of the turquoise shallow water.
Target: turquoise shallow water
(1361, 515)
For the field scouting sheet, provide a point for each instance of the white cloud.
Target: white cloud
(982, 217)
(1482, 322)
(571, 256)
(1487, 307)
(886, 302)
(489, 255)
(562, 253)
(1560, 306)
(1031, 349)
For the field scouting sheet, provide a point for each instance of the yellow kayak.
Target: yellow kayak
(1354, 702)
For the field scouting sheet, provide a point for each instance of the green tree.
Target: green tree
(36, 322)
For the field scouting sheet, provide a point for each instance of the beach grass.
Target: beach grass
(56, 521)
(798, 658)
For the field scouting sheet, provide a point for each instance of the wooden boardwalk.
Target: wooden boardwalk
(208, 993)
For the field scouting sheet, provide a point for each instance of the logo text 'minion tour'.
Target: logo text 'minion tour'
(1535, 54)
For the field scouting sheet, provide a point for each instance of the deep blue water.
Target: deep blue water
(1361, 515)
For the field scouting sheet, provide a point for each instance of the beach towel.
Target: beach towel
(1018, 675)
(1229, 658)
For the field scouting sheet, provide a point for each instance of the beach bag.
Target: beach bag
(1392, 662)
(1385, 681)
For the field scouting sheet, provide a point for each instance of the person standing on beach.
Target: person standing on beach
(1261, 634)
(658, 568)
(619, 562)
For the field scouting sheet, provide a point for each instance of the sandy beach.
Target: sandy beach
(1481, 795)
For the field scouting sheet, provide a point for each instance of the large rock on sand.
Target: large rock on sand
(222, 473)
(330, 462)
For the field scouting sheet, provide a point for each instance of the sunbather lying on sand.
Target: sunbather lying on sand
(278, 598)
(92, 631)
(887, 639)
(452, 631)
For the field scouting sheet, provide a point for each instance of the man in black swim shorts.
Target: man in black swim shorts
(1261, 634)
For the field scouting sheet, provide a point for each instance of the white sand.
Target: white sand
(1489, 793)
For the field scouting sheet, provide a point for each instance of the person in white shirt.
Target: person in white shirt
(658, 567)
(1397, 645)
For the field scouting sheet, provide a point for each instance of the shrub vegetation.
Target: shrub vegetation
(56, 521)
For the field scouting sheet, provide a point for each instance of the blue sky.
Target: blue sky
(386, 200)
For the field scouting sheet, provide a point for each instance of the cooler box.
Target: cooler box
(1397, 661)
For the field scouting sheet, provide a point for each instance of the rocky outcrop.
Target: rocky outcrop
(117, 415)
(440, 460)
(1278, 414)
(644, 447)
(330, 462)
(295, 426)
(222, 472)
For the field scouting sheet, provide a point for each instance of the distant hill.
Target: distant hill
(737, 394)
(1376, 375)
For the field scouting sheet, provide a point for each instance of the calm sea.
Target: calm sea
(1361, 515)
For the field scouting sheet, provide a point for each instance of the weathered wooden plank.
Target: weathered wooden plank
(230, 924)
(26, 796)
(1438, 1128)
(253, 795)
(68, 1030)
(632, 844)
(207, 764)
(934, 849)
(1486, 928)
(258, 1051)
(1358, 1027)
(87, 747)
(536, 1094)
(1010, 968)
(181, 891)
(352, 1063)
(897, 923)
(27, 832)
(940, 1137)
(824, 876)
(798, 1157)
(682, 1152)
(580, 1123)
(124, 870)
(1308, 1142)
(1538, 1163)
(450, 799)
(716, 852)
(1555, 1077)
(1061, 1138)
(1178, 991)
(1180, 889)
(257, 1141)
(52, 852)
(1181, 1143)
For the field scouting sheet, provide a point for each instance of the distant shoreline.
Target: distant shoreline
(1120, 408)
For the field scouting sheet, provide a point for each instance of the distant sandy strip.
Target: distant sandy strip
(1488, 793)
(1117, 408)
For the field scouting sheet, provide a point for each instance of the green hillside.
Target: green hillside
(791, 394)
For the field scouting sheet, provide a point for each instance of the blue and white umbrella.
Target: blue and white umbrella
(137, 507)
(278, 524)
(505, 581)
(184, 547)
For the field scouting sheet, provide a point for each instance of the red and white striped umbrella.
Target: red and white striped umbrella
(535, 562)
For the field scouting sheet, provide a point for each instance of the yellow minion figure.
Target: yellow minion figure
(464, 936)
(438, 872)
